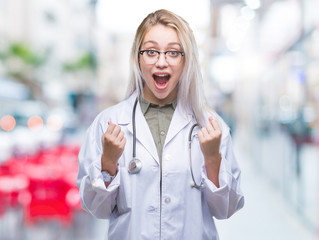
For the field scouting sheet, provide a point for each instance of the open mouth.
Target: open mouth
(161, 80)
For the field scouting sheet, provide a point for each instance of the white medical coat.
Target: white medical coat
(134, 204)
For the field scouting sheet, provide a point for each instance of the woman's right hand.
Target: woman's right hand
(113, 142)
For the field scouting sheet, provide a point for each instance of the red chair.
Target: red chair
(47, 189)
(48, 201)
(53, 190)
(11, 188)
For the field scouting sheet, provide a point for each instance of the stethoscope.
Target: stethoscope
(135, 165)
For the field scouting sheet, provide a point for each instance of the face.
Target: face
(161, 78)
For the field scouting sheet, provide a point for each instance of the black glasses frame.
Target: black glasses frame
(159, 53)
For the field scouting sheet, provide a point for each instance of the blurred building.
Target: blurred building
(264, 57)
(60, 35)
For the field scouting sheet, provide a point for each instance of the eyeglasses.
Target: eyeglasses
(171, 57)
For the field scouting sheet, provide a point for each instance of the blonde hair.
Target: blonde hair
(190, 86)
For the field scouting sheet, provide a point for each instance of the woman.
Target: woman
(170, 191)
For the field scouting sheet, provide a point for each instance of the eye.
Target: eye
(173, 53)
(151, 53)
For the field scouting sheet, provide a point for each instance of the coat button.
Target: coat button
(167, 200)
(162, 133)
(95, 182)
(151, 208)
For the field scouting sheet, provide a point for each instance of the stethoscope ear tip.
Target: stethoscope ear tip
(192, 184)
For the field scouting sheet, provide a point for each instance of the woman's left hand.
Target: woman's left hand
(209, 140)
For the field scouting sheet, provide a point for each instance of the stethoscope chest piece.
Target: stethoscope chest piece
(134, 166)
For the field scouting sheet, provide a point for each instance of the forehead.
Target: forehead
(161, 35)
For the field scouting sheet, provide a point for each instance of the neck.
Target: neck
(149, 96)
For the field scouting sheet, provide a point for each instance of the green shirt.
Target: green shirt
(158, 119)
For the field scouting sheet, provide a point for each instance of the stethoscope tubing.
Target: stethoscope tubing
(193, 184)
(135, 165)
(134, 128)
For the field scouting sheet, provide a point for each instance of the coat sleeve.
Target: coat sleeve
(224, 201)
(95, 197)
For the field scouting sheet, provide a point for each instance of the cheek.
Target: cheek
(143, 68)
(146, 73)
(182, 68)
(179, 72)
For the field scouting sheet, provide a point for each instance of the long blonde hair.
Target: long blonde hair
(190, 85)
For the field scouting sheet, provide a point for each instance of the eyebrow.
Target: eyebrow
(169, 44)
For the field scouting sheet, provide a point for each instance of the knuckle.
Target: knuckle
(204, 140)
(104, 137)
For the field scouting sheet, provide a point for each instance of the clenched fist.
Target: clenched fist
(209, 140)
(113, 143)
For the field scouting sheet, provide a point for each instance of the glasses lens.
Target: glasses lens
(150, 56)
(173, 57)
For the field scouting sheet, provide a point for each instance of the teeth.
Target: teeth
(161, 75)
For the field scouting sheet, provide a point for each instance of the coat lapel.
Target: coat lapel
(143, 133)
(180, 120)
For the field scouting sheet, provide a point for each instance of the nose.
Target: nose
(161, 61)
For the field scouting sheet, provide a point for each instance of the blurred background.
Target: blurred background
(61, 62)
